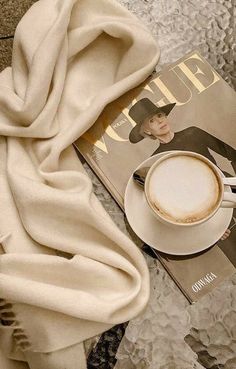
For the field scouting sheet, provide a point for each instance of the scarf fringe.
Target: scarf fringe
(8, 318)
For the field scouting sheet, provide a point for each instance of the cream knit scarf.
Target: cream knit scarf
(70, 59)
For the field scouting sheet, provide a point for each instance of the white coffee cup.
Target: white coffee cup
(184, 188)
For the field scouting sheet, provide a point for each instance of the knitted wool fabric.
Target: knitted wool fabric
(70, 59)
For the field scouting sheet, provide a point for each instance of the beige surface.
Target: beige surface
(5, 53)
(11, 12)
(49, 303)
(178, 34)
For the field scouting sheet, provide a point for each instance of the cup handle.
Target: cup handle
(229, 181)
(229, 198)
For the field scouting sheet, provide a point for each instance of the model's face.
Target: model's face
(158, 124)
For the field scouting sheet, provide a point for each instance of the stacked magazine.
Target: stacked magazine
(203, 120)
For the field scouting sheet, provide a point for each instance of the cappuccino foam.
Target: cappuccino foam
(184, 189)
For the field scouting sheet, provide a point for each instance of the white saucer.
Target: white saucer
(175, 241)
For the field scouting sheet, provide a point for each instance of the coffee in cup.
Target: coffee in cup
(184, 188)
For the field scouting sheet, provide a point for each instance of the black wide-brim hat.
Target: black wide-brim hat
(143, 109)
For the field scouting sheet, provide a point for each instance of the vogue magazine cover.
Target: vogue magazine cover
(186, 107)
